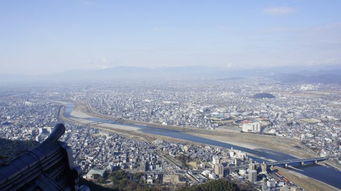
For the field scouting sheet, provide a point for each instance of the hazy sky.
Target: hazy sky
(47, 36)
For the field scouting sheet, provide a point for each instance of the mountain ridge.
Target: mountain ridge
(315, 74)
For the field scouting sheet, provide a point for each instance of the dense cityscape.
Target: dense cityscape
(310, 113)
(305, 112)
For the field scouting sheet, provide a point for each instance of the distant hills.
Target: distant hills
(326, 74)
(311, 74)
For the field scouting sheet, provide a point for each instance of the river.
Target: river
(325, 174)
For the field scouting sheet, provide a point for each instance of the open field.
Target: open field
(254, 141)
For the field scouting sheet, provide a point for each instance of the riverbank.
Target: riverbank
(132, 133)
(305, 182)
(253, 141)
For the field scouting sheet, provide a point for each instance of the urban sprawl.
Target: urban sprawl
(309, 113)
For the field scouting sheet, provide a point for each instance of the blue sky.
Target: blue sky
(47, 36)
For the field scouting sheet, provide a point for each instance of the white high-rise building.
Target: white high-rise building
(253, 127)
(215, 159)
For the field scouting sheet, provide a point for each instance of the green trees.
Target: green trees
(125, 181)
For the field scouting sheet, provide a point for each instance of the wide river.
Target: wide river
(325, 174)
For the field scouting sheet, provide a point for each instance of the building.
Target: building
(171, 179)
(216, 160)
(252, 176)
(252, 166)
(264, 168)
(219, 170)
(252, 172)
(250, 127)
(94, 173)
(150, 180)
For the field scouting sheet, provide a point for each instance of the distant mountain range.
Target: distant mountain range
(312, 74)
(326, 75)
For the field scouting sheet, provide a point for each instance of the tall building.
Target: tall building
(264, 167)
(264, 186)
(235, 162)
(219, 170)
(252, 166)
(215, 160)
(252, 176)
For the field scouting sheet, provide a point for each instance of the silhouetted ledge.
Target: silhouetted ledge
(11, 149)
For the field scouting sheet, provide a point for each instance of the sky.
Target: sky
(51, 36)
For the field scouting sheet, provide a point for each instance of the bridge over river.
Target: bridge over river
(287, 163)
(297, 162)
